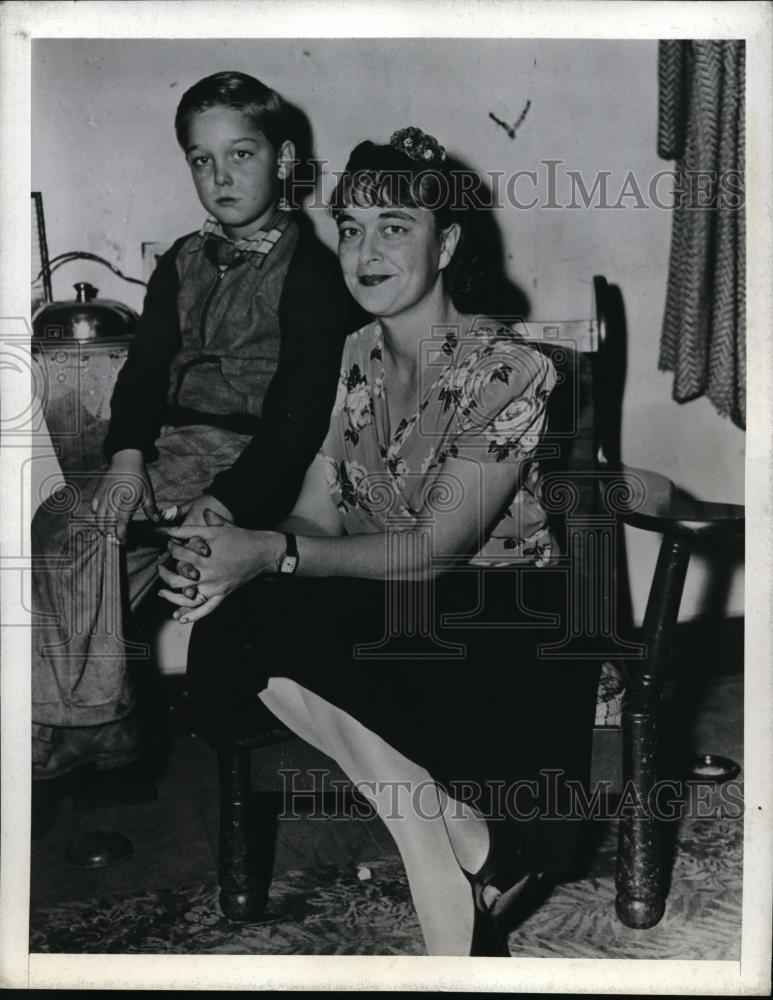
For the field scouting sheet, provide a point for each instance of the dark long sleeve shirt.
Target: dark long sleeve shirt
(315, 313)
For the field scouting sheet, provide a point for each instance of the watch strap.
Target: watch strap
(291, 543)
(289, 561)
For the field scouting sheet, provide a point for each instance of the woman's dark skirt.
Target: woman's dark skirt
(453, 674)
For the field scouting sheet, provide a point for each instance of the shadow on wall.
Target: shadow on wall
(722, 557)
(489, 291)
(306, 173)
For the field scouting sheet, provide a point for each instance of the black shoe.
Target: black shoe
(114, 744)
(488, 941)
(505, 871)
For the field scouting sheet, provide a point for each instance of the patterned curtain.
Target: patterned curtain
(701, 126)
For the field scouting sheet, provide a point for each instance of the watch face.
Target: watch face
(289, 564)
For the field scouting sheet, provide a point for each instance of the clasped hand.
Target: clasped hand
(212, 560)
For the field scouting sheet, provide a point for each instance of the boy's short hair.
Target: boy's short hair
(264, 107)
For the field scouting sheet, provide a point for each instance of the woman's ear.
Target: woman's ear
(449, 240)
(285, 159)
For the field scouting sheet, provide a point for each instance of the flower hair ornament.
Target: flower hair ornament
(418, 145)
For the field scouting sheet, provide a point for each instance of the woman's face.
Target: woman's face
(391, 257)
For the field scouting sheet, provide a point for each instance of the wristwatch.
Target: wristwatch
(289, 561)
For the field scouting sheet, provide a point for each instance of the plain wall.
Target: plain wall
(112, 177)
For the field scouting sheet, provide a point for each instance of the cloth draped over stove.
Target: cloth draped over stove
(701, 127)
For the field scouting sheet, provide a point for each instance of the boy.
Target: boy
(222, 404)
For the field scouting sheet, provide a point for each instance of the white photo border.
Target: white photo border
(19, 24)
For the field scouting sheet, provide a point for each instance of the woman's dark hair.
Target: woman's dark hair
(386, 175)
(264, 107)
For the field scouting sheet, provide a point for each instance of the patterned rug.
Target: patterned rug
(366, 910)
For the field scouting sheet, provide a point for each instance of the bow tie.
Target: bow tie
(222, 253)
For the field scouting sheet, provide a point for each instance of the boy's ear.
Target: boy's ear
(285, 159)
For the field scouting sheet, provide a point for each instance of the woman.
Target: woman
(393, 620)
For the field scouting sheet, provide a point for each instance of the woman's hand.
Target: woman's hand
(124, 487)
(216, 558)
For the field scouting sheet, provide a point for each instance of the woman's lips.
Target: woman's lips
(369, 280)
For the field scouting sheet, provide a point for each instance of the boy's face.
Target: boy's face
(235, 169)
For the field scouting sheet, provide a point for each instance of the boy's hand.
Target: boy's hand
(192, 511)
(123, 488)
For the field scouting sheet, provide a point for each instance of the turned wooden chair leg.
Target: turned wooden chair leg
(248, 828)
(640, 884)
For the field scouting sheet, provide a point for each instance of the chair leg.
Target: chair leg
(640, 902)
(640, 899)
(248, 826)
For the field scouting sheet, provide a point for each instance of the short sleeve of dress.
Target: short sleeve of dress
(349, 451)
(502, 396)
(332, 450)
(331, 447)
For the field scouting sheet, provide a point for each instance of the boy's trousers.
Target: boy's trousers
(84, 583)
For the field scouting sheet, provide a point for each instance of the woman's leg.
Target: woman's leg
(303, 712)
(405, 797)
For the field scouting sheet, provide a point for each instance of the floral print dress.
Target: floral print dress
(483, 399)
